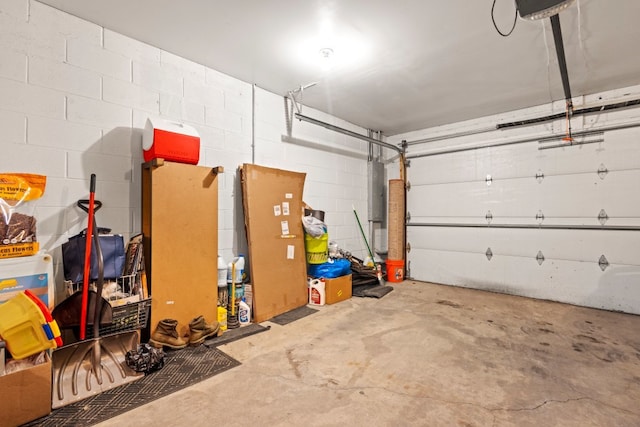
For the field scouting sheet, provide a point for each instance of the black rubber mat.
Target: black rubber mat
(182, 368)
(375, 291)
(293, 315)
(235, 334)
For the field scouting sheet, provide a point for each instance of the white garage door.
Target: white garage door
(560, 224)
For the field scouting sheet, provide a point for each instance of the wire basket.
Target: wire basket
(129, 310)
(128, 317)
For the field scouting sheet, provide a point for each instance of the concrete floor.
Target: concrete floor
(424, 355)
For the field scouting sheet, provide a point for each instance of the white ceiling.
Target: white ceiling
(399, 65)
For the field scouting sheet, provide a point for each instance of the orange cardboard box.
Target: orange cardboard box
(338, 289)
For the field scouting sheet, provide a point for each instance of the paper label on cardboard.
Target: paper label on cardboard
(288, 196)
(285, 208)
(276, 210)
(290, 251)
(284, 225)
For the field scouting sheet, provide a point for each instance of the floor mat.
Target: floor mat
(182, 368)
(292, 315)
(375, 291)
(235, 334)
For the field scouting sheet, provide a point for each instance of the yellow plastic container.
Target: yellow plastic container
(317, 249)
(222, 318)
(24, 327)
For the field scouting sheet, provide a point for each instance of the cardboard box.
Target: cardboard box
(34, 273)
(26, 394)
(338, 289)
(272, 201)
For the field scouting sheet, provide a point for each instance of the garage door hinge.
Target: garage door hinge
(602, 171)
(540, 217)
(408, 185)
(603, 263)
(539, 176)
(488, 180)
(408, 218)
(489, 254)
(488, 217)
(408, 247)
(540, 258)
(603, 217)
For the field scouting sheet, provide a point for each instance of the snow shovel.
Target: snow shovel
(73, 312)
(92, 366)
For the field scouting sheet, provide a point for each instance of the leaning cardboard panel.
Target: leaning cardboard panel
(180, 243)
(272, 200)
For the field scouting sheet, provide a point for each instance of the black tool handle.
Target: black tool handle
(84, 205)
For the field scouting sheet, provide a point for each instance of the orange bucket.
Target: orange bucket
(395, 270)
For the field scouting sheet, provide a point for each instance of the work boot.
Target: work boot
(167, 335)
(199, 330)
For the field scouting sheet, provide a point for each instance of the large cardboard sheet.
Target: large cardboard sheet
(272, 200)
(180, 227)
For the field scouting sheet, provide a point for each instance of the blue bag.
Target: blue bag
(112, 246)
(331, 269)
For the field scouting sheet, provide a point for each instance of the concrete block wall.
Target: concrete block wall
(75, 98)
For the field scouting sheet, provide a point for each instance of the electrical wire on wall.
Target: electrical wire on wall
(493, 19)
(253, 123)
(546, 45)
(583, 52)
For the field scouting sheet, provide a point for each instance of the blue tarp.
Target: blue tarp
(331, 269)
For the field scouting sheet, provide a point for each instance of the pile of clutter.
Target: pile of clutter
(334, 274)
(329, 276)
(234, 294)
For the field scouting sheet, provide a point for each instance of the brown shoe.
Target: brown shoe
(199, 330)
(166, 335)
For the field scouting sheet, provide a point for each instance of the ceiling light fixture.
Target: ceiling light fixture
(540, 9)
(326, 53)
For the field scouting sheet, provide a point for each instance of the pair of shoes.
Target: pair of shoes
(166, 333)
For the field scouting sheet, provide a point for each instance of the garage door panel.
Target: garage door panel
(569, 192)
(587, 193)
(457, 199)
(619, 151)
(576, 196)
(460, 167)
(573, 282)
(619, 247)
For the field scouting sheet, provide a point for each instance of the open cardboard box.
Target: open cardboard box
(25, 395)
